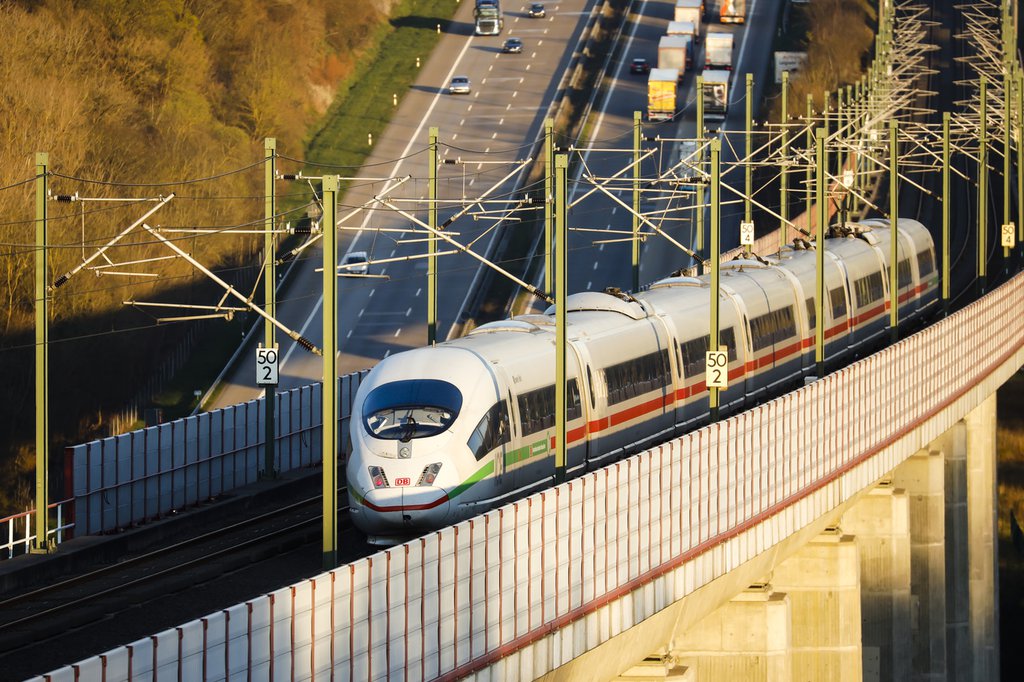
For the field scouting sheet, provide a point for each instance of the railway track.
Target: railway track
(67, 621)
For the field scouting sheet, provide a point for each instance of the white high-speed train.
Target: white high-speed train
(443, 433)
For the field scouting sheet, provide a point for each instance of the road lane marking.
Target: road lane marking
(419, 290)
(407, 312)
(460, 123)
(595, 265)
(501, 120)
(600, 247)
(361, 312)
(371, 292)
(615, 209)
(397, 332)
(588, 285)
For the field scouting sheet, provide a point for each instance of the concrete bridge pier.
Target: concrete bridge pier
(982, 535)
(747, 638)
(880, 523)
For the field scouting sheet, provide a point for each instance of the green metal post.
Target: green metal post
(749, 186)
(42, 544)
(1007, 115)
(982, 265)
(329, 431)
(1020, 160)
(819, 248)
(809, 173)
(784, 175)
(561, 447)
(715, 250)
(549, 172)
(431, 238)
(946, 198)
(699, 201)
(894, 219)
(269, 297)
(637, 117)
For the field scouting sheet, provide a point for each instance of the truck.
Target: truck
(715, 94)
(692, 11)
(733, 11)
(718, 51)
(487, 14)
(674, 53)
(685, 28)
(661, 94)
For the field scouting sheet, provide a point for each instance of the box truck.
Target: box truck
(674, 53)
(715, 94)
(718, 50)
(733, 11)
(692, 11)
(661, 94)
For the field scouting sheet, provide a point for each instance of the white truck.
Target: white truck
(674, 53)
(715, 94)
(692, 11)
(661, 94)
(718, 50)
(685, 28)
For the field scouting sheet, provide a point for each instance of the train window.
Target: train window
(903, 274)
(537, 407)
(838, 299)
(772, 327)
(635, 377)
(492, 431)
(925, 263)
(694, 351)
(869, 289)
(414, 408)
(811, 313)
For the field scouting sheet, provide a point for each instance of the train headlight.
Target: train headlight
(404, 452)
(378, 477)
(429, 474)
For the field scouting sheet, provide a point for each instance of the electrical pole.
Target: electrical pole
(809, 173)
(636, 200)
(432, 240)
(715, 249)
(269, 302)
(699, 194)
(749, 186)
(784, 175)
(561, 447)
(819, 255)
(42, 544)
(982, 265)
(894, 207)
(945, 212)
(549, 174)
(329, 435)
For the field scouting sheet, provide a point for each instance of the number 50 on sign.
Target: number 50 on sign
(266, 366)
(717, 368)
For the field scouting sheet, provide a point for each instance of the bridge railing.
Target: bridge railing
(610, 548)
(18, 531)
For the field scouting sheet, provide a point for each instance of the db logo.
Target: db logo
(403, 481)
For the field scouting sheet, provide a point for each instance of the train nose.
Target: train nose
(407, 509)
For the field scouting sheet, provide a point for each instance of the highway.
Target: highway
(487, 131)
(594, 267)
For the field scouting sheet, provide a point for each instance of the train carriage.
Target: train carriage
(442, 433)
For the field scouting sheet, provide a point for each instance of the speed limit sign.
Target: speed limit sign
(266, 366)
(1009, 235)
(717, 368)
(746, 233)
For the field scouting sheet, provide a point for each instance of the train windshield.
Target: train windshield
(415, 408)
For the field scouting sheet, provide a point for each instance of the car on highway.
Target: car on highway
(355, 263)
(536, 10)
(459, 86)
(639, 65)
(512, 46)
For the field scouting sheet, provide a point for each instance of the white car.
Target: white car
(459, 86)
(354, 263)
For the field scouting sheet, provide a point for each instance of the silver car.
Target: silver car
(354, 263)
(459, 86)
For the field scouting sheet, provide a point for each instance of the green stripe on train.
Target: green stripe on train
(481, 473)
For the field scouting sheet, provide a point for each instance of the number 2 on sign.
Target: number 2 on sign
(717, 369)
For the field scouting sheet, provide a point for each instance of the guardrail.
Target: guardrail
(618, 544)
(18, 529)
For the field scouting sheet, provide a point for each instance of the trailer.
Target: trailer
(715, 94)
(662, 85)
(718, 50)
(674, 53)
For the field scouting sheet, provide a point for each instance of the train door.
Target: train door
(580, 406)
